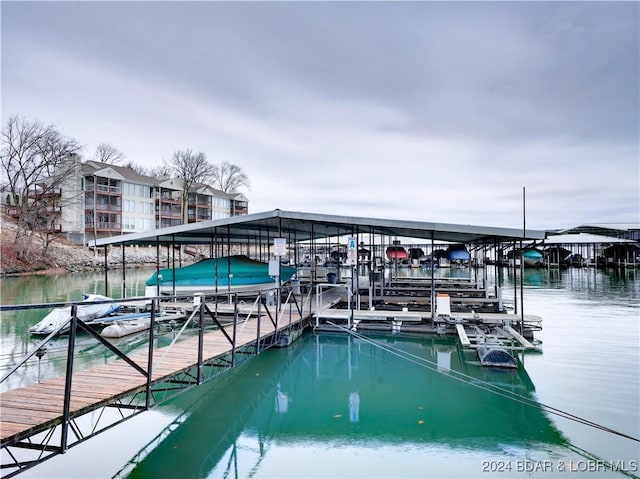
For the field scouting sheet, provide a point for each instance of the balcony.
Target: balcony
(164, 223)
(101, 207)
(52, 209)
(103, 189)
(168, 200)
(200, 202)
(169, 214)
(50, 193)
(49, 229)
(193, 218)
(15, 212)
(103, 226)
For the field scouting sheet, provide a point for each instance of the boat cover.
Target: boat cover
(212, 271)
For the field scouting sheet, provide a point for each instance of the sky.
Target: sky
(451, 112)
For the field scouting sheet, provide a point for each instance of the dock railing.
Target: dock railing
(168, 358)
(320, 292)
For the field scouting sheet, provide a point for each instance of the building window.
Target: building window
(128, 223)
(144, 191)
(128, 189)
(128, 206)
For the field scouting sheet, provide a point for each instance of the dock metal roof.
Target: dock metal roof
(583, 238)
(300, 226)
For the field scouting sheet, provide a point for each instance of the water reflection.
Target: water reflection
(340, 390)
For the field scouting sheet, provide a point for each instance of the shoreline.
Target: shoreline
(59, 270)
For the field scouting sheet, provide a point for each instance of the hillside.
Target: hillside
(63, 256)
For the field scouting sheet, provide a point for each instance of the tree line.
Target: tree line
(37, 161)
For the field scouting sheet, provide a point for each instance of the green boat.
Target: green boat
(215, 274)
(531, 256)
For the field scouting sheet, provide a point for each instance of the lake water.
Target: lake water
(387, 406)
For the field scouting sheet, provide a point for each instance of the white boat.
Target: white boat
(88, 312)
(121, 325)
(122, 328)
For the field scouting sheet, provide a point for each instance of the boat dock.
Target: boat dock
(222, 329)
(44, 419)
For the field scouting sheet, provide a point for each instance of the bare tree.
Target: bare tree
(163, 171)
(141, 170)
(229, 177)
(190, 168)
(106, 153)
(36, 162)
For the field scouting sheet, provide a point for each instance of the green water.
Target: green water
(395, 406)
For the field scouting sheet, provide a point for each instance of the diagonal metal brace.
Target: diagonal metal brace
(112, 348)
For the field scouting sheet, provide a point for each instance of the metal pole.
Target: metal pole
(524, 234)
(173, 264)
(66, 411)
(259, 322)
(106, 275)
(515, 280)
(433, 281)
(229, 274)
(124, 279)
(152, 326)
(200, 338)
(157, 266)
(235, 326)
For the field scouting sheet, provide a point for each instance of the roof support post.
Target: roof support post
(200, 338)
(158, 266)
(432, 300)
(515, 279)
(152, 327)
(106, 272)
(229, 275)
(215, 267)
(173, 263)
(259, 319)
(235, 327)
(123, 294)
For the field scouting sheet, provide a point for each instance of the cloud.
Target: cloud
(437, 111)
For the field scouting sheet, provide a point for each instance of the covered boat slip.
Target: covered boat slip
(354, 246)
(303, 239)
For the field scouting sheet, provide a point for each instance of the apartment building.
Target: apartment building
(100, 200)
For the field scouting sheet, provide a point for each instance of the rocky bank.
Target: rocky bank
(63, 256)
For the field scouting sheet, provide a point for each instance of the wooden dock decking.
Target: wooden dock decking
(30, 410)
(39, 407)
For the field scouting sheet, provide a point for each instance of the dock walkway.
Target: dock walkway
(35, 408)
(36, 417)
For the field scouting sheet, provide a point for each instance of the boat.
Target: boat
(126, 327)
(215, 274)
(496, 357)
(555, 254)
(458, 253)
(396, 253)
(574, 259)
(626, 254)
(416, 254)
(530, 256)
(85, 312)
(120, 325)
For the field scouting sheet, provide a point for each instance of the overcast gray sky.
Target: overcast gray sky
(433, 111)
